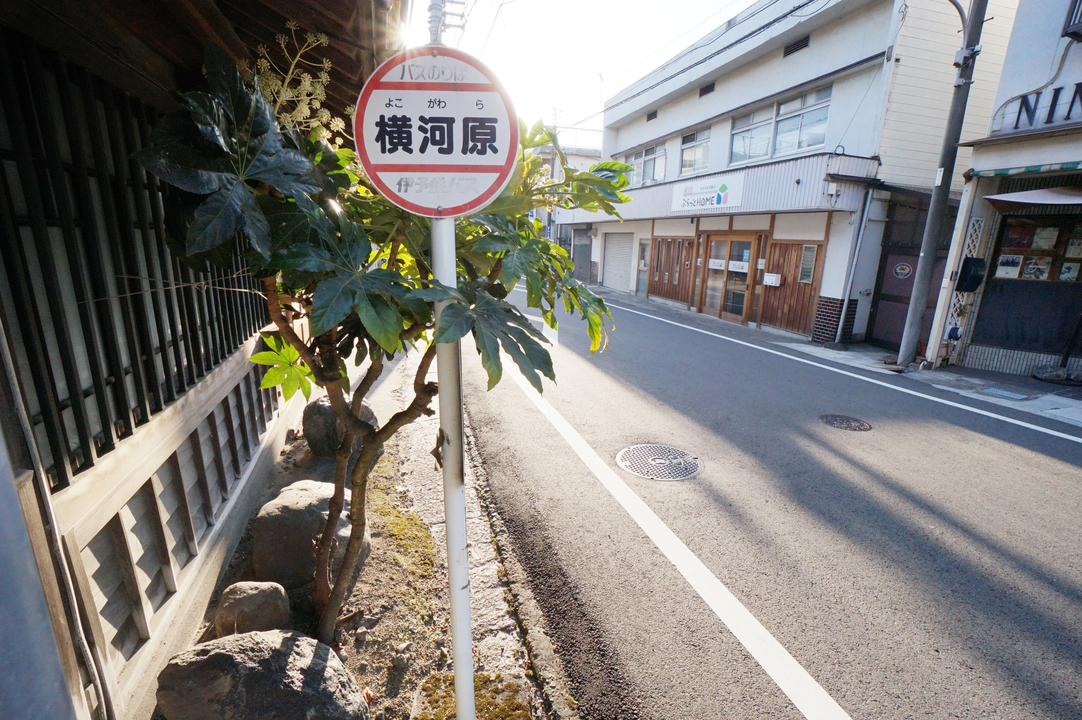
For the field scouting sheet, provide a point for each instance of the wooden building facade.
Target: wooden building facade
(135, 424)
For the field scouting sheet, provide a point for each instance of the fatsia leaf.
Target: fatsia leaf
(356, 246)
(185, 167)
(255, 226)
(436, 292)
(332, 301)
(209, 118)
(219, 217)
(381, 319)
(287, 171)
(288, 223)
(224, 82)
(455, 321)
(304, 256)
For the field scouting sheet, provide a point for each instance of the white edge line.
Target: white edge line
(801, 688)
(873, 381)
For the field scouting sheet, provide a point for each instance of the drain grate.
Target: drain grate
(844, 422)
(659, 462)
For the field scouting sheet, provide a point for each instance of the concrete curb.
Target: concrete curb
(548, 671)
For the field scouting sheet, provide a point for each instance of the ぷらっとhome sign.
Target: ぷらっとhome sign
(436, 132)
(708, 194)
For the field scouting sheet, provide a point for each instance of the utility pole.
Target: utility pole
(937, 208)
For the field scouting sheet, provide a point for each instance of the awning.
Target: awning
(1049, 196)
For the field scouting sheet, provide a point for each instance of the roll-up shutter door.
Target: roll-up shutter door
(618, 250)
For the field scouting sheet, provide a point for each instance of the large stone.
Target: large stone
(270, 675)
(323, 430)
(285, 532)
(249, 606)
(1050, 373)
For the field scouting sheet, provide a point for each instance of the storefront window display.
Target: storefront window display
(1047, 249)
(1033, 295)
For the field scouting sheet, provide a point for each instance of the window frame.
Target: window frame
(638, 160)
(776, 117)
(699, 139)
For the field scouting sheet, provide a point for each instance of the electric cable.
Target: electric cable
(1062, 61)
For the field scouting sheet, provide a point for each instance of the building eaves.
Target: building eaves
(792, 89)
(735, 43)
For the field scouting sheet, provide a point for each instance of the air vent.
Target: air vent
(652, 115)
(797, 45)
(706, 89)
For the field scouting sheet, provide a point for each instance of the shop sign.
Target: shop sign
(1045, 108)
(436, 132)
(737, 266)
(715, 264)
(903, 270)
(708, 194)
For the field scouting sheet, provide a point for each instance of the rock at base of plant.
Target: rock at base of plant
(323, 430)
(251, 606)
(1052, 373)
(286, 529)
(271, 675)
(497, 697)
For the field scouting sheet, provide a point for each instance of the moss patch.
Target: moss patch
(497, 698)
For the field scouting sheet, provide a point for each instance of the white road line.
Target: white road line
(805, 693)
(968, 408)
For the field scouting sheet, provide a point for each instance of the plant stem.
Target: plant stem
(343, 584)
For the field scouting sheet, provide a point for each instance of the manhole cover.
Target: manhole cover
(659, 462)
(844, 422)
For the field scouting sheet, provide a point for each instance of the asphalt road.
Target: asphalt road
(931, 567)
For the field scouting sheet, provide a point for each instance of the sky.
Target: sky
(559, 58)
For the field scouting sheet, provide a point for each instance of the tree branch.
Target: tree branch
(274, 307)
(424, 392)
(375, 369)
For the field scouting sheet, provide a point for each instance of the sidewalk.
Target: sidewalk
(1017, 392)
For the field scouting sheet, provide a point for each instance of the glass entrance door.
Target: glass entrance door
(729, 264)
(736, 284)
(715, 276)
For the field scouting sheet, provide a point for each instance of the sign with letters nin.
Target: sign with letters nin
(436, 132)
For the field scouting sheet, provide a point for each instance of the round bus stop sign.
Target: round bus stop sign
(436, 132)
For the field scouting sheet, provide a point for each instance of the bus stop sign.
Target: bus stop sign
(436, 132)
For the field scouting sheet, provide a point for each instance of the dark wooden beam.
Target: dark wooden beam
(207, 23)
(88, 36)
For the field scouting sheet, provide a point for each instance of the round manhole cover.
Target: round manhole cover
(844, 422)
(659, 462)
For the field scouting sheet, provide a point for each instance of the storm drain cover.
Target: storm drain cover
(844, 422)
(659, 462)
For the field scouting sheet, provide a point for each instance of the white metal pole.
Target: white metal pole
(854, 258)
(448, 365)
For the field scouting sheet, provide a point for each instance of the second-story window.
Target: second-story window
(693, 151)
(649, 164)
(802, 122)
(751, 135)
(781, 129)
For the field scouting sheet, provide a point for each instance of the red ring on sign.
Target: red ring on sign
(374, 83)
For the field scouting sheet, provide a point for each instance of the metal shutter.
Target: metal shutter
(618, 252)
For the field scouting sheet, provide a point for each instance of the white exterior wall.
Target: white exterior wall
(1033, 55)
(641, 231)
(843, 233)
(922, 85)
(759, 74)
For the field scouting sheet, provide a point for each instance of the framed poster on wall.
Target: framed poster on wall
(1009, 266)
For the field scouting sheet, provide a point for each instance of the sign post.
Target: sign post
(437, 135)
